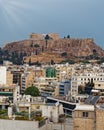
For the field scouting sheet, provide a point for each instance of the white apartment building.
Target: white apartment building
(82, 79)
(2, 75)
(52, 111)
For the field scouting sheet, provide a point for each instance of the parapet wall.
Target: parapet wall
(37, 36)
(19, 125)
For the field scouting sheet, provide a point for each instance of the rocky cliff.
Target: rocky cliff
(55, 47)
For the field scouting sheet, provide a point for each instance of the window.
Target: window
(85, 114)
(99, 85)
(97, 78)
(38, 107)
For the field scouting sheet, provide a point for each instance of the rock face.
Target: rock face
(55, 47)
(44, 58)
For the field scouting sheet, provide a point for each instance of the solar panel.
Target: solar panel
(88, 99)
(95, 100)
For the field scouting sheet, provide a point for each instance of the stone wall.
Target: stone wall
(83, 123)
(77, 47)
(19, 125)
(99, 119)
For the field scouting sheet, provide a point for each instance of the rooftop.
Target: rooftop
(101, 107)
(85, 107)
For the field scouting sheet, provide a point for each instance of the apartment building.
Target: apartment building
(62, 71)
(2, 75)
(27, 79)
(17, 77)
(64, 88)
(6, 77)
(89, 117)
(99, 117)
(47, 85)
(52, 111)
(8, 94)
(84, 117)
(9, 77)
(39, 72)
(83, 78)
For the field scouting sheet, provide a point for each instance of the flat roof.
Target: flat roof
(84, 107)
(61, 100)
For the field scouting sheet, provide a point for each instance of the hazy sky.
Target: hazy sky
(78, 18)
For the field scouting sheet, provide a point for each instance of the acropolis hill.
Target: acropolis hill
(48, 47)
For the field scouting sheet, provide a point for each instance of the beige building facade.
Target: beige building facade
(100, 118)
(27, 79)
(37, 36)
(82, 79)
(84, 117)
(89, 117)
(9, 78)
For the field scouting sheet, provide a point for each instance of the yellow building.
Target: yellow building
(39, 72)
(32, 103)
(84, 117)
(27, 79)
(89, 117)
(62, 72)
(9, 78)
(99, 117)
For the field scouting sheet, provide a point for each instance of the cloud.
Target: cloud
(79, 18)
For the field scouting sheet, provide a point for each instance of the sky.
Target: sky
(77, 18)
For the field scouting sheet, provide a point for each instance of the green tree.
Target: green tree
(101, 61)
(36, 46)
(89, 86)
(85, 61)
(68, 36)
(37, 63)
(32, 90)
(47, 37)
(42, 48)
(32, 43)
(64, 54)
(81, 89)
(29, 61)
(52, 62)
(70, 61)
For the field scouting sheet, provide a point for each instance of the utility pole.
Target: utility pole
(29, 113)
